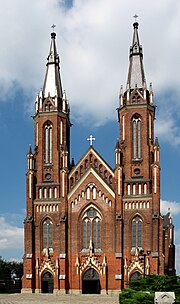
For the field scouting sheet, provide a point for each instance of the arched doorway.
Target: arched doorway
(47, 282)
(91, 282)
(136, 276)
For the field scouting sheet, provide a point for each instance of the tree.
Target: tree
(10, 275)
(10, 270)
(130, 296)
(143, 290)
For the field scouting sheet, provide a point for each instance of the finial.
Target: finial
(135, 17)
(91, 139)
(53, 27)
(29, 150)
(135, 24)
(121, 90)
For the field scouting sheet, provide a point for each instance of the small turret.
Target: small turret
(121, 96)
(29, 159)
(65, 156)
(151, 94)
(117, 154)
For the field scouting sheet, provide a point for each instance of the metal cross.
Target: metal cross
(90, 139)
(135, 17)
(53, 26)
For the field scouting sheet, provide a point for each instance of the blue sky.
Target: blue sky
(93, 40)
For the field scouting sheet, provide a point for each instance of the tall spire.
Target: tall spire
(52, 83)
(136, 76)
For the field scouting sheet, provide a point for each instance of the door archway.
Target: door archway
(91, 282)
(136, 276)
(47, 282)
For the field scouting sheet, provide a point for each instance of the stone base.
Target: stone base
(103, 291)
(27, 290)
(75, 291)
(59, 291)
(37, 290)
(112, 292)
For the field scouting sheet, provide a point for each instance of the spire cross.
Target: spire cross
(53, 26)
(90, 139)
(135, 17)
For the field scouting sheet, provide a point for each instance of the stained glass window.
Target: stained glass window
(137, 232)
(48, 143)
(47, 234)
(92, 229)
(136, 134)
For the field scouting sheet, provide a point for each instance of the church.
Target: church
(91, 228)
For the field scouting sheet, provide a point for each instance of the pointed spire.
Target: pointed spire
(117, 145)
(65, 149)
(156, 144)
(72, 163)
(30, 150)
(121, 96)
(136, 76)
(52, 83)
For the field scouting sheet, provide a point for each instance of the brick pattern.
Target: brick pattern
(62, 194)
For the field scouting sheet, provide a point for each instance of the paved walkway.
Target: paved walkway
(57, 299)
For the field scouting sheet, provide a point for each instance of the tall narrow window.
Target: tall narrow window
(134, 139)
(92, 229)
(48, 143)
(37, 134)
(150, 135)
(137, 232)
(61, 132)
(47, 234)
(139, 138)
(136, 134)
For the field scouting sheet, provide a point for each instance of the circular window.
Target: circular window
(137, 171)
(48, 176)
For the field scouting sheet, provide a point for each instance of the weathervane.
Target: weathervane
(135, 17)
(53, 26)
(90, 139)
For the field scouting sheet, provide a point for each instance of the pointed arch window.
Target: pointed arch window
(136, 134)
(137, 232)
(91, 229)
(48, 143)
(47, 234)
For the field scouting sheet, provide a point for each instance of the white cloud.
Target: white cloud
(174, 208)
(11, 237)
(93, 40)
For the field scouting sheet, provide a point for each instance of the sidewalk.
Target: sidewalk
(57, 299)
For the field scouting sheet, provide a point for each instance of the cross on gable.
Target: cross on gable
(91, 139)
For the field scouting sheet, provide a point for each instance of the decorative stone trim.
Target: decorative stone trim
(62, 277)
(29, 256)
(29, 276)
(118, 276)
(62, 255)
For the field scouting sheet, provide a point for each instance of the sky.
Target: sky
(93, 40)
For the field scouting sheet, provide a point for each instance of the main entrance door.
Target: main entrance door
(47, 283)
(91, 282)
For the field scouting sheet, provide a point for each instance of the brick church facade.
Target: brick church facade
(90, 228)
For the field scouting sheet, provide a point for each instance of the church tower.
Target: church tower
(47, 182)
(142, 236)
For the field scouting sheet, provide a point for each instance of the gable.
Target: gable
(92, 171)
(91, 159)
